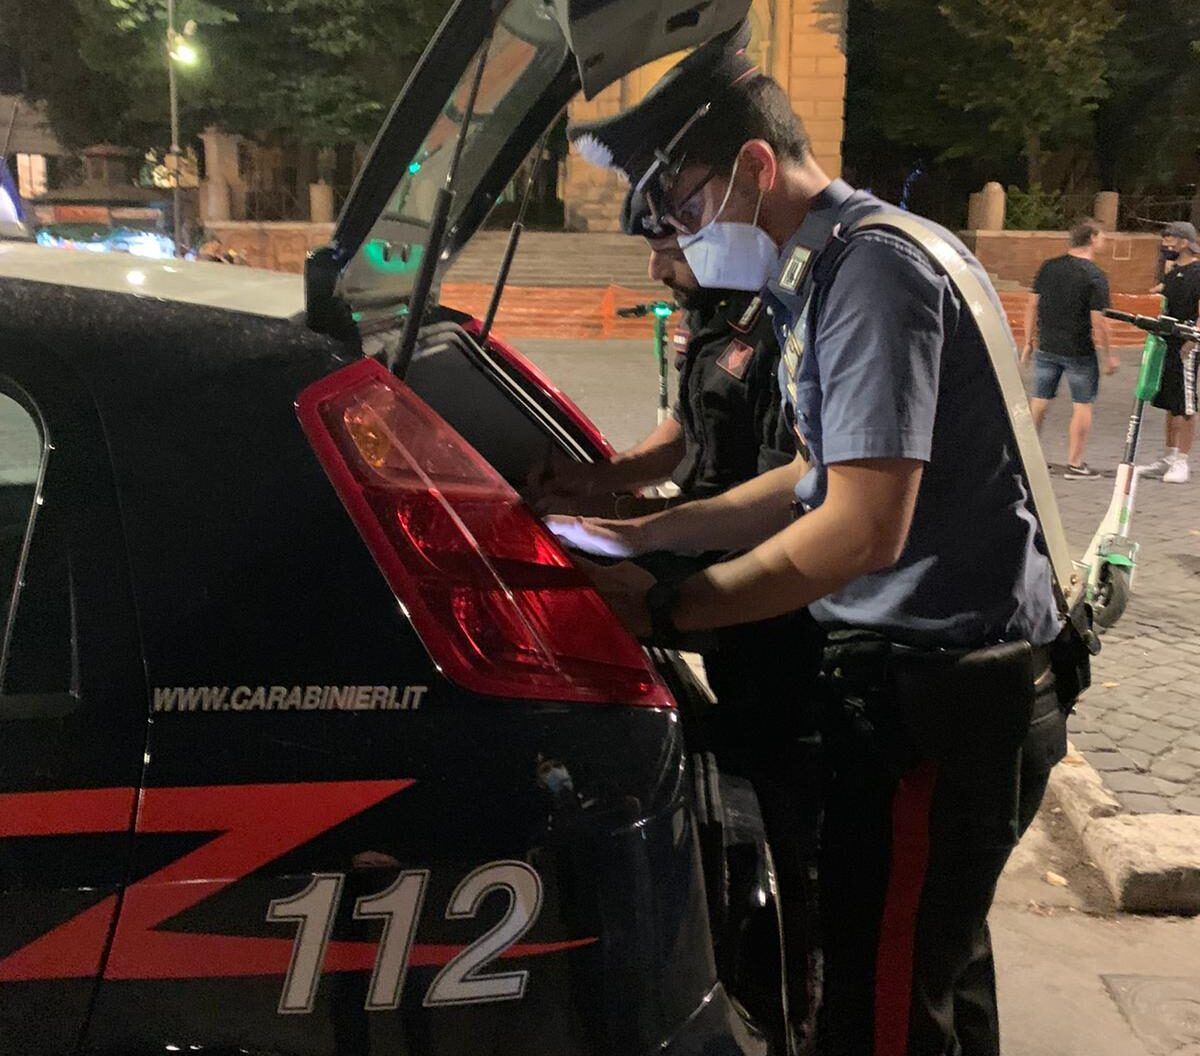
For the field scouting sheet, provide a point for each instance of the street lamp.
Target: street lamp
(184, 53)
(178, 51)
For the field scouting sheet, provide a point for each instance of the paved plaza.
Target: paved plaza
(1139, 724)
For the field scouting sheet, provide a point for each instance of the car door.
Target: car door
(72, 703)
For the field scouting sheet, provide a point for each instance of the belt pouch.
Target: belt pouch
(976, 705)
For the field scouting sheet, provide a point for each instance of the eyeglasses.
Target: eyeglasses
(658, 185)
(686, 215)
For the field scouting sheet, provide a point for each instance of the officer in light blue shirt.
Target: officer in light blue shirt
(906, 524)
(896, 369)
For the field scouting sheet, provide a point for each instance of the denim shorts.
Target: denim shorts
(1083, 376)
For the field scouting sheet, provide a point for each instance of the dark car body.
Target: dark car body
(287, 762)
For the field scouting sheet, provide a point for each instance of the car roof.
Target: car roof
(232, 287)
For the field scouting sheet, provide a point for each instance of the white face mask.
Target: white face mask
(731, 254)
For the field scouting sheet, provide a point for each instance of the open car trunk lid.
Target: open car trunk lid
(540, 53)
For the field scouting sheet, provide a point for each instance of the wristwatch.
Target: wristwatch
(661, 600)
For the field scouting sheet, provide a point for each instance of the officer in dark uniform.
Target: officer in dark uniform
(952, 663)
(727, 424)
(728, 427)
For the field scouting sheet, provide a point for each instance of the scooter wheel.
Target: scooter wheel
(1112, 595)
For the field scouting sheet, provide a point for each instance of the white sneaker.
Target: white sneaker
(1178, 472)
(1156, 468)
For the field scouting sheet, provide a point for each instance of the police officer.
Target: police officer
(727, 423)
(952, 665)
(727, 428)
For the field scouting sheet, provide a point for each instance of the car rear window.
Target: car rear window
(20, 445)
(36, 654)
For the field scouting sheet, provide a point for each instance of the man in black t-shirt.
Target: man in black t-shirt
(1177, 393)
(1064, 320)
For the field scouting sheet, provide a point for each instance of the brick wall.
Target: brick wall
(569, 286)
(816, 75)
(1130, 261)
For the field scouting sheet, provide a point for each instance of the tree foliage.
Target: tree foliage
(317, 72)
(1043, 70)
(1148, 129)
(1069, 95)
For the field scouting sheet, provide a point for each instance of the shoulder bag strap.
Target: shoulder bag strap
(993, 327)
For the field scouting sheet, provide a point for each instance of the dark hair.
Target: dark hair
(757, 108)
(1083, 231)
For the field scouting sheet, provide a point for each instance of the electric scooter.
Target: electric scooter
(1111, 557)
(661, 310)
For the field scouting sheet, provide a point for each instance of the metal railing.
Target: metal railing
(1150, 212)
(278, 203)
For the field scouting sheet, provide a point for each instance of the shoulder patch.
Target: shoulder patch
(680, 338)
(793, 270)
(750, 316)
(736, 358)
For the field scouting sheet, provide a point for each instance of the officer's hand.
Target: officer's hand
(559, 476)
(1113, 365)
(604, 538)
(624, 588)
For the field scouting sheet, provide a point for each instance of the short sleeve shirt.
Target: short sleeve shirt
(1069, 289)
(883, 361)
(1181, 288)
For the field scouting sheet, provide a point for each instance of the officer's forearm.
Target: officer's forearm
(734, 520)
(655, 457)
(648, 462)
(861, 527)
(813, 557)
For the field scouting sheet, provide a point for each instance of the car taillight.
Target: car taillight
(498, 604)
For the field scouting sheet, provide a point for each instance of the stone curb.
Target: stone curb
(1150, 862)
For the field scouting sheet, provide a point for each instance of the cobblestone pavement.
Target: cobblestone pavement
(1140, 722)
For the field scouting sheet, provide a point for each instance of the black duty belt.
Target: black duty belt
(952, 702)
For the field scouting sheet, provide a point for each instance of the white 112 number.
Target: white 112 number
(399, 906)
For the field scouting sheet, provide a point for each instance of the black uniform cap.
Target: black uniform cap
(649, 141)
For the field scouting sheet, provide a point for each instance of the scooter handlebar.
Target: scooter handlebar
(1163, 325)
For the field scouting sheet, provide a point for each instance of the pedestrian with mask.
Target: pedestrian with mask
(950, 668)
(1064, 323)
(1176, 394)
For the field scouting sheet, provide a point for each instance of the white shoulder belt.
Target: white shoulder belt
(997, 337)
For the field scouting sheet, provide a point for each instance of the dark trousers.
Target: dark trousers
(764, 728)
(911, 853)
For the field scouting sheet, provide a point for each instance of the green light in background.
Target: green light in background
(662, 309)
(414, 167)
(378, 254)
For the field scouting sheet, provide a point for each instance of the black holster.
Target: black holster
(1071, 655)
(934, 704)
(981, 715)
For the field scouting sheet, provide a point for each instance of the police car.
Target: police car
(312, 739)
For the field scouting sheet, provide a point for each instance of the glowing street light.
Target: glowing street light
(184, 53)
(178, 51)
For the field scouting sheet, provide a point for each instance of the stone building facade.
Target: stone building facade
(801, 43)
